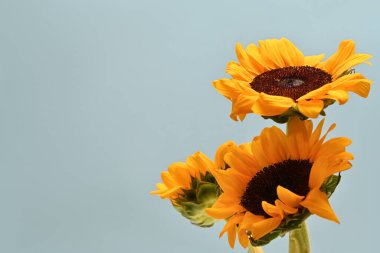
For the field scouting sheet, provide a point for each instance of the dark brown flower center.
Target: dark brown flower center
(293, 82)
(290, 174)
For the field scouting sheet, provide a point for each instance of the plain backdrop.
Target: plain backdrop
(98, 97)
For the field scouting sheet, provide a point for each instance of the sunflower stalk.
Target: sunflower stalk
(299, 240)
(252, 249)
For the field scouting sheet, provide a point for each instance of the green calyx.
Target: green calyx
(295, 221)
(192, 203)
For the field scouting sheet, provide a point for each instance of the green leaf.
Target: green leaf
(330, 184)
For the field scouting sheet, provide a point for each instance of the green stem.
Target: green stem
(287, 127)
(252, 249)
(299, 240)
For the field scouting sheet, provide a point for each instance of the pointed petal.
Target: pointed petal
(272, 210)
(288, 197)
(231, 236)
(317, 203)
(261, 228)
(243, 238)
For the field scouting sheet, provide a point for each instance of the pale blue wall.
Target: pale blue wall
(98, 97)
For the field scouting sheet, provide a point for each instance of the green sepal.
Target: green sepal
(294, 112)
(330, 184)
(284, 117)
(206, 192)
(192, 203)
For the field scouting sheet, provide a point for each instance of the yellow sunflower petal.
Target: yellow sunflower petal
(310, 108)
(231, 223)
(272, 210)
(294, 56)
(180, 175)
(244, 59)
(230, 228)
(160, 189)
(298, 139)
(314, 138)
(258, 153)
(231, 237)
(288, 197)
(250, 218)
(317, 203)
(224, 212)
(339, 95)
(321, 170)
(242, 105)
(351, 62)
(231, 181)
(167, 179)
(353, 82)
(256, 59)
(261, 228)
(279, 140)
(356, 83)
(314, 60)
(275, 149)
(315, 144)
(273, 52)
(243, 238)
(333, 146)
(285, 208)
(199, 163)
(221, 153)
(238, 72)
(280, 53)
(318, 173)
(268, 105)
(243, 162)
(344, 59)
(228, 88)
(172, 191)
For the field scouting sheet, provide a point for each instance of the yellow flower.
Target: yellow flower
(275, 80)
(282, 177)
(191, 187)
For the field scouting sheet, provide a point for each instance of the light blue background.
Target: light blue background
(98, 97)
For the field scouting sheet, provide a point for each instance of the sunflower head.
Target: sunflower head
(191, 188)
(273, 186)
(275, 80)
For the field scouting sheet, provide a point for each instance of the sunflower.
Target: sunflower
(279, 181)
(191, 187)
(275, 80)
